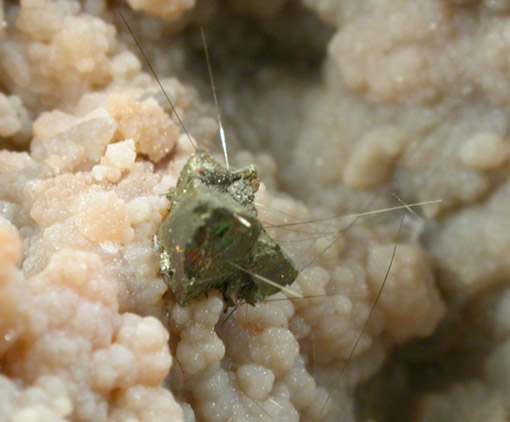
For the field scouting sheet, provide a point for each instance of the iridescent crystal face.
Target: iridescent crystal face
(212, 237)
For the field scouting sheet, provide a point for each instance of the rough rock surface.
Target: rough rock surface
(353, 101)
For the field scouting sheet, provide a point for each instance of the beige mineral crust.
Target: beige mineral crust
(67, 352)
(169, 10)
(435, 72)
(88, 329)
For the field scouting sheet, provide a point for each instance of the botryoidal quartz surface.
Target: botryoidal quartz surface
(88, 329)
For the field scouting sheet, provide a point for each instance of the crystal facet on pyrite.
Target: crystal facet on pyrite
(212, 237)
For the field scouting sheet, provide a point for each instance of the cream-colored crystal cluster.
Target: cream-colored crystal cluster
(88, 329)
(415, 100)
(416, 96)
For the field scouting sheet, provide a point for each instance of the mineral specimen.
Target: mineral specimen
(212, 237)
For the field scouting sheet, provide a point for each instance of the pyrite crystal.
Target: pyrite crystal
(212, 237)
